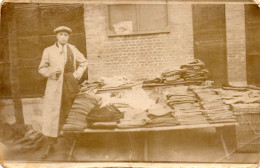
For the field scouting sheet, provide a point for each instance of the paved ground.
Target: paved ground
(199, 145)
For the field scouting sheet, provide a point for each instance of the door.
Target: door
(34, 25)
(209, 33)
(252, 23)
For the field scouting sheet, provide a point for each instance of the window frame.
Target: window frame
(111, 33)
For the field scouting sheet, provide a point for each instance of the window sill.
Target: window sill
(138, 33)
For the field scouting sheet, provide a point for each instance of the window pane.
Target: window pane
(122, 13)
(152, 17)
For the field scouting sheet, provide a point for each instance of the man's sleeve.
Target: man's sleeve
(44, 67)
(82, 64)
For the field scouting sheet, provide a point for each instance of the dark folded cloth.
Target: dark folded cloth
(179, 80)
(156, 80)
(89, 86)
(173, 72)
(108, 113)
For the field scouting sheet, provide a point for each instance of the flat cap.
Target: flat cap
(62, 28)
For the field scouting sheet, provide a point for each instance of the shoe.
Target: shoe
(50, 149)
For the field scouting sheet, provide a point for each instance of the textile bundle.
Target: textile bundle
(87, 86)
(214, 108)
(20, 138)
(133, 118)
(83, 104)
(186, 107)
(104, 118)
(161, 116)
(194, 71)
(173, 76)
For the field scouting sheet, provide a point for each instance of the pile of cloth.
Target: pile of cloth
(161, 116)
(214, 108)
(20, 138)
(185, 105)
(195, 71)
(132, 103)
(133, 118)
(105, 117)
(173, 76)
(83, 104)
(242, 97)
(115, 81)
(247, 101)
(88, 86)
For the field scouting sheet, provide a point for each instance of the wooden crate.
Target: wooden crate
(248, 130)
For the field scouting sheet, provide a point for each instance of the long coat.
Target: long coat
(53, 60)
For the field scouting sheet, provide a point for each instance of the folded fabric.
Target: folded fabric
(82, 105)
(173, 72)
(166, 115)
(135, 114)
(76, 118)
(77, 123)
(102, 125)
(156, 80)
(131, 123)
(108, 113)
(162, 122)
(158, 110)
(72, 127)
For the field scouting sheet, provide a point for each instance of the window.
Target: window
(137, 18)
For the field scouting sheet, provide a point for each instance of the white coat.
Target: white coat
(53, 60)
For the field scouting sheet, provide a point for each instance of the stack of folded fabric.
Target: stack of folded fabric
(161, 116)
(173, 76)
(83, 104)
(105, 117)
(186, 108)
(195, 71)
(133, 118)
(214, 108)
(87, 86)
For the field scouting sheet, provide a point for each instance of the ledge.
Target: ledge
(139, 33)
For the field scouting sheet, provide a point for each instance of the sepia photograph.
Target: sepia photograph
(140, 83)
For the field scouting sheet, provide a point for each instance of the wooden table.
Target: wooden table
(219, 129)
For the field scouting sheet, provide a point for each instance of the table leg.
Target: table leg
(72, 147)
(145, 147)
(223, 142)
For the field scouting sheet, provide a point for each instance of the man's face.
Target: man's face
(63, 37)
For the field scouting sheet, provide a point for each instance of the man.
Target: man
(58, 64)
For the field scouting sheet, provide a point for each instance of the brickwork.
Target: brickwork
(236, 43)
(137, 56)
(147, 55)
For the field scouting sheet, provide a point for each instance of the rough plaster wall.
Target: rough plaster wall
(137, 56)
(236, 43)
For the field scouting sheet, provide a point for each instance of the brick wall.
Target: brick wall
(137, 56)
(236, 43)
(146, 56)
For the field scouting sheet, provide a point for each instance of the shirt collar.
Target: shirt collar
(60, 46)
